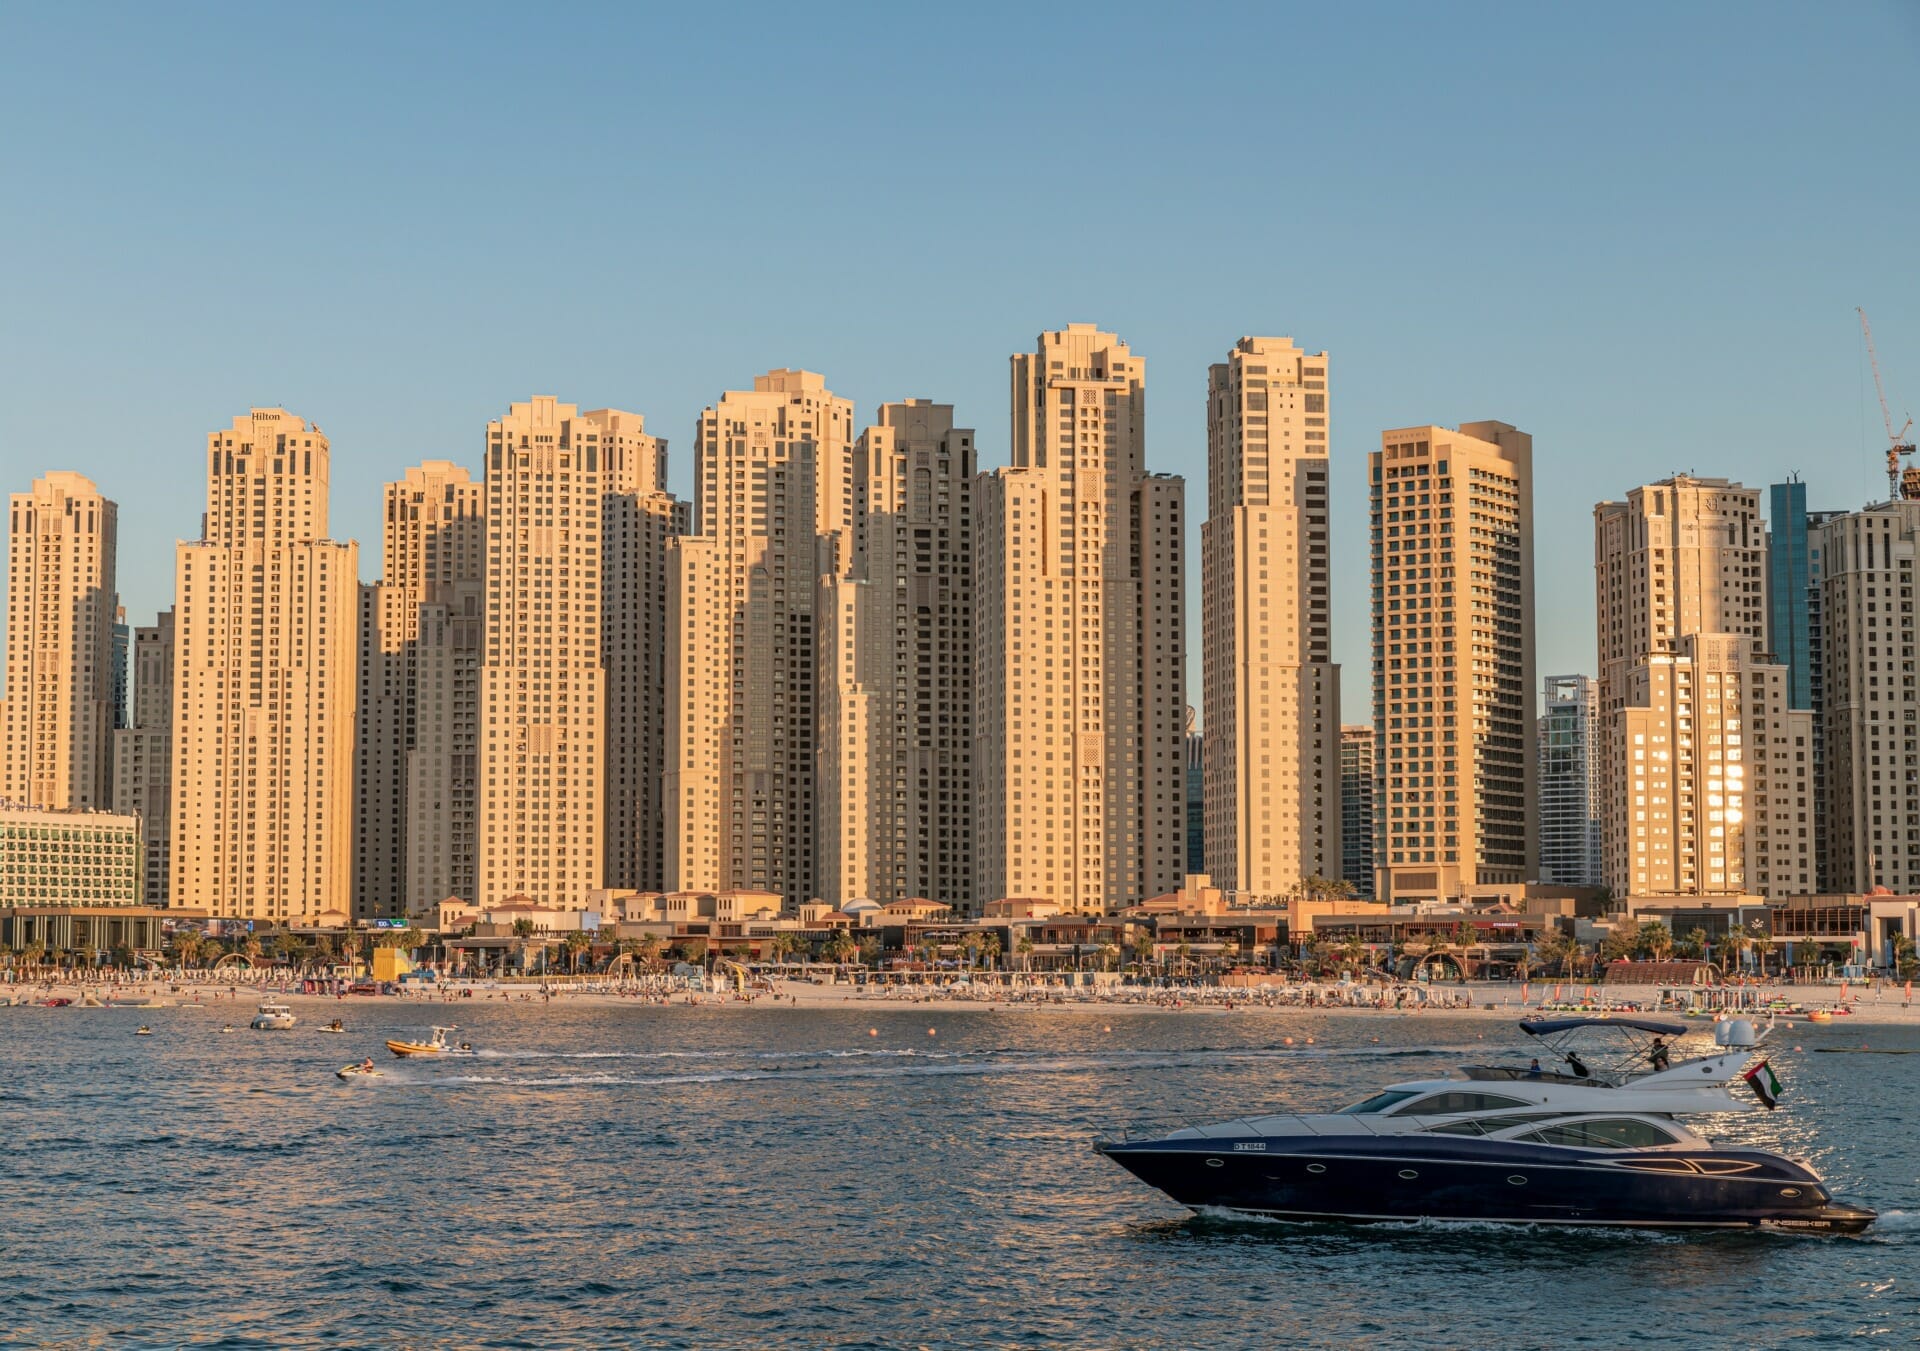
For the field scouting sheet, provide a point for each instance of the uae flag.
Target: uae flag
(1765, 1087)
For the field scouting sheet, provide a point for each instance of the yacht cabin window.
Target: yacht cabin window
(1446, 1104)
(1379, 1102)
(1613, 1133)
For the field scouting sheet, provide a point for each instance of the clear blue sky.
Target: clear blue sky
(1636, 230)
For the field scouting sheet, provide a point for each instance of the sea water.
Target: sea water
(869, 1176)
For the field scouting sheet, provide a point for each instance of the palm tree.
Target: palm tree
(970, 946)
(1654, 939)
(1906, 964)
(841, 948)
(187, 945)
(1616, 946)
(1024, 946)
(1353, 953)
(1109, 955)
(1143, 948)
(867, 949)
(1762, 941)
(1557, 948)
(787, 944)
(1317, 888)
(990, 950)
(576, 942)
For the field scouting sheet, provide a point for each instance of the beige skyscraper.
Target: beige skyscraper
(1080, 696)
(264, 683)
(639, 518)
(777, 503)
(1453, 664)
(57, 716)
(895, 792)
(143, 755)
(1701, 790)
(542, 765)
(1272, 689)
(421, 632)
(1870, 707)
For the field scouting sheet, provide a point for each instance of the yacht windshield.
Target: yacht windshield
(1379, 1102)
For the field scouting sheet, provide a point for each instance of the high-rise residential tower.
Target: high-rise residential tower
(143, 754)
(895, 792)
(638, 519)
(58, 715)
(1870, 704)
(264, 683)
(1570, 852)
(1196, 800)
(1453, 664)
(1272, 689)
(777, 502)
(542, 753)
(1356, 807)
(1796, 627)
(1080, 695)
(421, 630)
(121, 684)
(1705, 767)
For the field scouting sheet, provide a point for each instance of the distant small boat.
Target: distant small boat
(1820, 1016)
(361, 1071)
(432, 1046)
(335, 1026)
(59, 1003)
(227, 1028)
(144, 1031)
(272, 1017)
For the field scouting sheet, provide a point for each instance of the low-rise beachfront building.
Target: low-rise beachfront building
(52, 858)
(90, 932)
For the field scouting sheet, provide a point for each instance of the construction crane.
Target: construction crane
(1897, 446)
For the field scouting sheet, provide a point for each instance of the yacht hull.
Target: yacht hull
(1380, 1178)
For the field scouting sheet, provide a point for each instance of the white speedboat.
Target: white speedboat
(1513, 1145)
(272, 1017)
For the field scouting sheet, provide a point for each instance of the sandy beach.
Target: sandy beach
(1878, 1005)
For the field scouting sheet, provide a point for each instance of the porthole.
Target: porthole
(1516, 1179)
(1789, 1191)
(1316, 1168)
(1408, 1174)
(1216, 1163)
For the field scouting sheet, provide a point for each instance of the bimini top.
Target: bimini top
(1546, 1027)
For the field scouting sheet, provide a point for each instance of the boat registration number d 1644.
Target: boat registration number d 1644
(1254, 1145)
